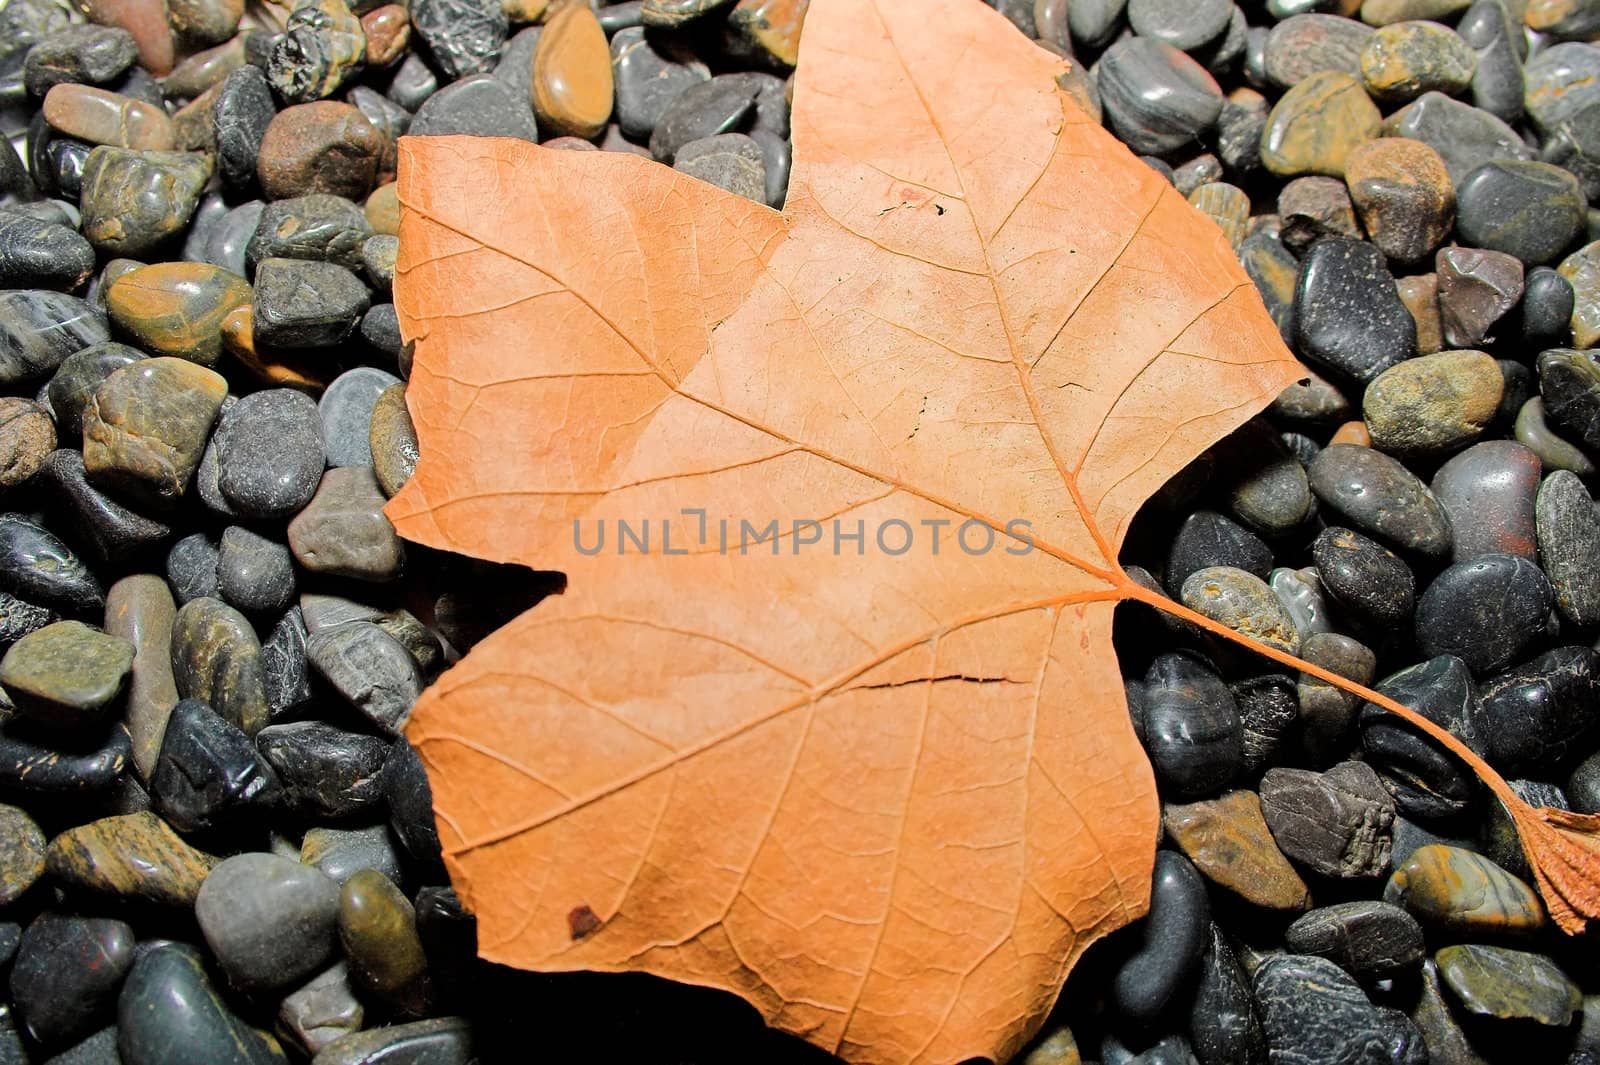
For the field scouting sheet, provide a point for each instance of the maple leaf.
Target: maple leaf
(887, 796)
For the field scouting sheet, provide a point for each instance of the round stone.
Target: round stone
(269, 921)
(35, 253)
(254, 574)
(482, 105)
(134, 201)
(1381, 498)
(572, 84)
(321, 47)
(1485, 611)
(325, 146)
(21, 853)
(1181, 24)
(1243, 602)
(67, 675)
(27, 436)
(1488, 492)
(1403, 60)
(269, 453)
(1364, 577)
(1528, 209)
(393, 440)
(216, 658)
(1403, 192)
(303, 304)
(1348, 313)
(1303, 45)
(1191, 727)
(378, 930)
(177, 308)
(147, 425)
(1156, 98)
(347, 410)
(102, 117)
(1432, 403)
(1313, 127)
(1509, 984)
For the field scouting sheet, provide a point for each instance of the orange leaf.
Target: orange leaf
(887, 796)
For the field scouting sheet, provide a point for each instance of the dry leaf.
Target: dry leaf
(887, 798)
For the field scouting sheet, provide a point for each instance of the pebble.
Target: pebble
(201, 22)
(1268, 490)
(347, 410)
(671, 14)
(321, 1011)
(301, 304)
(192, 568)
(343, 531)
(1348, 313)
(342, 853)
(36, 253)
(36, 566)
(393, 440)
(1542, 714)
(208, 774)
(1223, 1023)
(705, 109)
(731, 161)
(1432, 403)
(1172, 939)
(1499, 45)
(572, 84)
(438, 1041)
(270, 453)
(1192, 729)
(370, 668)
(410, 798)
(21, 854)
(321, 47)
(462, 36)
(325, 146)
(1489, 490)
(1476, 288)
(378, 930)
(388, 33)
(1533, 430)
(216, 658)
(134, 856)
(27, 436)
(1403, 60)
(1485, 611)
(45, 763)
(66, 973)
(39, 329)
(1337, 823)
(268, 920)
(147, 425)
(1509, 984)
(240, 115)
(227, 241)
(1384, 12)
(283, 659)
(135, 201)
(1528, 209)
(176, 308)
(1312, 1011)
(1568, 530)
(1465, 137)
(1229, 843)
(1243, 602)
(146, 21)
(139, 609)
(1365, 938)
(101, 117)
(481, 105)
(1188, 26)
(1206, 539)
(317, 227)
(1380, 497)
(1403, 191)
(1156, 98)
(1314, 126)
(90, 55)
(1457, 891)
(1365, 578)
(1226, 205)
(1303, 45)
(1559, 80)
(254, 574)
(1300, 592)
(648, 74)
(413, 82)
(169, 1014)
(67, 675)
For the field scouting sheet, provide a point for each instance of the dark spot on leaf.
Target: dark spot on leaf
(581, 921)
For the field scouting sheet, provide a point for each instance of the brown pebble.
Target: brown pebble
(1228, 841)
(524, 11)
(279, 371)
(383, 209)
(204, 22)
(1310, 208)
(771, 28)
(572, 84)
(27, 436)
(193, 124)
(1352, 433)
(1404, 194)
(177, 308)
(1314, 125)
(393, 439)
(102, 117)
(198, 72)
(1420, 294)
(146, 20)
(388, 30)
(570, 144)
(323, 146)
(129, 856)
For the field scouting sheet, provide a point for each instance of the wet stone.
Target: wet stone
(1456, 890)
(239, 119)
(413, 82)
(1192, 729)
(1381, 498)
(1229, 843)
(731, 161)
(134, 856)
(1547, 302)
(65, 976)
(316, 227)
(226, 242)
(1207, 539)
(216, 658)
(410, 799)
(300, 304)
(199, 22)
(1173, 939)
(463, 36)
(67, 675)
(1543, 714)
(1364, 938)
(572, 83)
(370, 668)
(40, 329)
(321, 47)
(1509, 984)
(393, 440)
(1559, 80)
(45, 762)
(479, 106)
(1498, 43)
(342, 853)
(1156, 98)
(39, 254)
(379, 254)
(283, 658)
(648, 75)
(92, 55)
(208, 773)
(704, 109)
(27, 436)
(1403, 192)
(1313, 127)
(439, 1041)
(255, 574)
(1433, 403)
(1534, 431)
(270, 453)
(1385, 12)
(1528, 209)
(1312, 1010)
(1338, 823)
(327, 773)
(1184, 26)
(1364, 578)
(147, 425)
(325, 146)
(321, 1011)
(1223, 1023)
(1303, 45)
(134, 201)
(1311, 401)
(1348, 314)
(268, 920)
(1568, 528)
(192, 568)
(1243, 602)
(1485, 611)
(1403, 60)
(38, 567)
(170, 1014)
(1465, 137)
(101, 117)
(177, 308)
(1488, 491)
(1300, 592)
(378, 930)
(388, 33)
(1326, 712)
(1425, 780)
(140, 609)
(21, 854)
(1225, 204)
(1476, 288)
